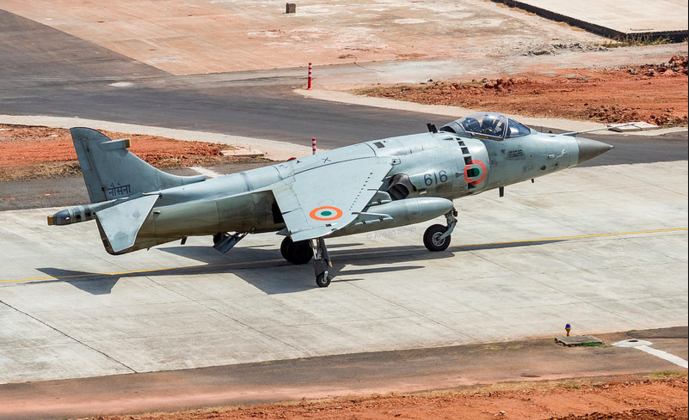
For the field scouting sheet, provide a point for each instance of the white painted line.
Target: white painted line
(667, 356)
(203, 171)
(645, 346)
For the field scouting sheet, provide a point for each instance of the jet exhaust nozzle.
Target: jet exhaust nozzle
(589, 149)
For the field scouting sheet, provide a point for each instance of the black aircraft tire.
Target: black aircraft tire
(285, 247)
(431, 238)
(300, 252)
(219, 237)
(322, 280)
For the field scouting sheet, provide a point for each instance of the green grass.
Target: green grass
(592, 345)
(636, 41)
(665, 374)
(571, 385)
(499, 348)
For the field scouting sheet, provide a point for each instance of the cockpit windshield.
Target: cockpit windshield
(490, 124)
(517, 130)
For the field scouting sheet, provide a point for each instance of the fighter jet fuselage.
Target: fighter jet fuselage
(361, 188)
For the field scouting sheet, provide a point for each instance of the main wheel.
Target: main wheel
(296, 252)
(300, 252)
(284, 248)
(323, 280)
(432, 238)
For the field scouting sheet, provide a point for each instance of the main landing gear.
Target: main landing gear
(438, 237)
(302, 252)
(296, 252)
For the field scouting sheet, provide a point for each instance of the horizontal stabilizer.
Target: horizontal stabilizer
(121, 223)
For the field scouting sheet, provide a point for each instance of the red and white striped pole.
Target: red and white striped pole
(313, 145)
(310, 73)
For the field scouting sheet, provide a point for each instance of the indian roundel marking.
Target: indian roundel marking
(326, 214)
(475, 179)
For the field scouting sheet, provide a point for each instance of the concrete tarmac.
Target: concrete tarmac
(325, 377)
(602, 248)
(628, 18)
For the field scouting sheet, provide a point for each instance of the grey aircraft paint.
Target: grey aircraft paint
(361, 188)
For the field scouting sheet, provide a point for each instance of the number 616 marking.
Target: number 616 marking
(435, 178)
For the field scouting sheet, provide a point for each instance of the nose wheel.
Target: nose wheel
(438, 237)
(434, 240)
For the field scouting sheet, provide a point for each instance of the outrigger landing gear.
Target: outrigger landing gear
(322, 263)
(437, 237)
(224, 242)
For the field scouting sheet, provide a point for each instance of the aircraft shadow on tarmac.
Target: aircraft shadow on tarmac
(93, 283)
(263, 268)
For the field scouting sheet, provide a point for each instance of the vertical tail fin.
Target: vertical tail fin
(111, 171)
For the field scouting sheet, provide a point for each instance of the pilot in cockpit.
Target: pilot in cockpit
(492, 126)
(471, 125)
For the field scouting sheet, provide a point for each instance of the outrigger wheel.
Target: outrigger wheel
(296, 252)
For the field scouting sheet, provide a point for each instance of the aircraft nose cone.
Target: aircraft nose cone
(589, 149)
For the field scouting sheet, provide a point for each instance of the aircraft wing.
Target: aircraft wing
(327, 198)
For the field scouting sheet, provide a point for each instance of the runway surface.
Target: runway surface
(602, 248)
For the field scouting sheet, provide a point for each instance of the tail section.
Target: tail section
(111, 171)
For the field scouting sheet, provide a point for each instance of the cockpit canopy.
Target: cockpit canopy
(488, 124)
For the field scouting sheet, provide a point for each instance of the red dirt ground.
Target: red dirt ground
(637, 400)
(27, 145)
(41, 152)
(652, 93)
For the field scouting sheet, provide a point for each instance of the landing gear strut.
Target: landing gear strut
(322, 263)
(438, 237)
(296, 252)
(303, 251)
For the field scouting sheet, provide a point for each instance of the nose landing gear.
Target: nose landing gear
(438, 237)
